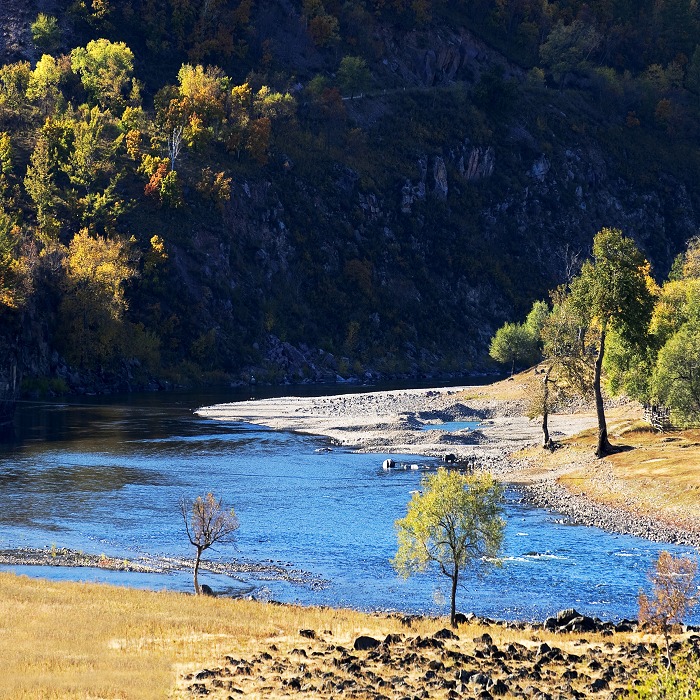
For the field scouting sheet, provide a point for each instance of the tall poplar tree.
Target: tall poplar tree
(613, 292)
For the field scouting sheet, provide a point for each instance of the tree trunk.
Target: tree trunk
(546, 440)
(197, 589)
(453, 601)
(604, 447)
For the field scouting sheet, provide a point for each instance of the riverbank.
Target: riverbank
(651, 489)
(84, 640)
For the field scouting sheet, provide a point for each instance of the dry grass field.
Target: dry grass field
(68, 640)
(89, 641)
(654, 474)
(657, 474)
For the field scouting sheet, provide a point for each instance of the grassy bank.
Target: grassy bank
(654, 474)
(68, 640)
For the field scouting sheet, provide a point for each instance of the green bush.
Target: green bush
(681, 682)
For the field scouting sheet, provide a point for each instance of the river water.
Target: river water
(106, 477)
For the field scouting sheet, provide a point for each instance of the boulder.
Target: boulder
(445, 633)
(364, 643)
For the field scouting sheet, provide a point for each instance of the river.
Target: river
(106, 476)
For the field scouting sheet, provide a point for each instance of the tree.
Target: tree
(614, 291)
(353, 74)
(92, 310)
(568, 48)
(14, 78)
(105, 70)
(540, 402)
(12, 267)
(44, 82)
(206, 522)
(674, 594)
(562, 337)
(41, 188)
(676, 379)
(45, 32)
(682, 682)
(455, 523)
(512, 343)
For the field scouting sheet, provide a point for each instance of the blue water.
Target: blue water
(453, 426)
(107, 478)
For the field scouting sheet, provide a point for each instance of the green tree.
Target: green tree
(565, 354)
(14, 78)
(41, 188)
(353, 75)
(455, 523)
(206, 523)
(568, 48)
(6, 157)
(45, 32)
(12, 267)
(612, 292)
(680, 682)
(85, 161)
(105, 70)
(513, 342)
(44, 82)
(676, 379)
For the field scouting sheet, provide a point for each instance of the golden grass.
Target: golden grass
(657, 474)
(75, 640)
(515, 389)
(89, 641)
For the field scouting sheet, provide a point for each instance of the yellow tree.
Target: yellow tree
(43, 84)
(92, 310)
(455, 523)
(105, 70)
(674, 593)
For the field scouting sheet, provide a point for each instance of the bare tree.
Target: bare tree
(674, 593)
(206, 522)
(174, 145)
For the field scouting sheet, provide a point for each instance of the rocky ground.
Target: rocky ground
(264, 571)
(588, 659)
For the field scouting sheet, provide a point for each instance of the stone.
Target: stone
(309, 634)
(440, 177)
(499, 688)
(364, 643)
(445, 633)
(598, 685)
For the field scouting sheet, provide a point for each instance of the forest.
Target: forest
(209, 190)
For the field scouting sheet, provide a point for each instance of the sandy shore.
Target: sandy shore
(395, 422)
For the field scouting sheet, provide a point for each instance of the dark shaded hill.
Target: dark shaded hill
(385, 223)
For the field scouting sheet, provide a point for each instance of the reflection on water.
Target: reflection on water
(453, 426)
(107, 477)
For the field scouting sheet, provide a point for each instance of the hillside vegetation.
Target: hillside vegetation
(208, 190)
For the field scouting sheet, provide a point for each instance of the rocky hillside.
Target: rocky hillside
(386, 228)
